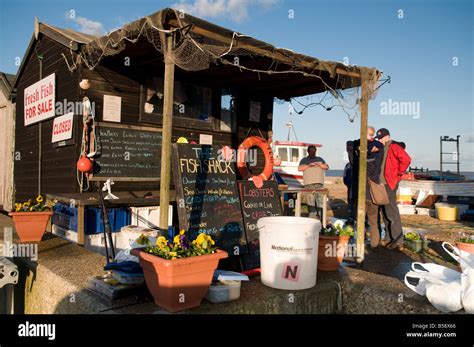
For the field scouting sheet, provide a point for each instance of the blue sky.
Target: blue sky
(428, 53)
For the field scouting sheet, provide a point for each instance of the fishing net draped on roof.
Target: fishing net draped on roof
(199, 45)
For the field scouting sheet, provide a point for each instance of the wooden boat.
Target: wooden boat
(442, 188)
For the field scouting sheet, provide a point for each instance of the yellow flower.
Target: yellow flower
(201, 237)
(173, 254)
(142, 239)
(176, 240)
(17, 207)
(39, 199)
(182, 232)
(26, 204)
(161, 242)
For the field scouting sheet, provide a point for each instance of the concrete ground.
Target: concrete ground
(57, 282)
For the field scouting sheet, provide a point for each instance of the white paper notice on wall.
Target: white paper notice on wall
(112, 108)
(205, 139)
(39, 99)
(254, 111)
(62, 127)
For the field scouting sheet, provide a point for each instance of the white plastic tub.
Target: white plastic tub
(128, 234)
(406, 209)
(223, 291)
(289, 251)
(148, 216)
(94, 243)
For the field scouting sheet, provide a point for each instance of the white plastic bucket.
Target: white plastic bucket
(289, 251)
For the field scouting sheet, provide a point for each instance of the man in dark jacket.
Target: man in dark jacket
(374, 162)
(394, 164)
(347, 178)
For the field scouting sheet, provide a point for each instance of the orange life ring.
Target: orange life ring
(255, 141)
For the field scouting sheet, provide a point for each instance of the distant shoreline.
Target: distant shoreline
(339, 173)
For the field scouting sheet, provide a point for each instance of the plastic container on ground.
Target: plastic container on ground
(223, 291)
(424, 211)
(462, 208)
(406, 209)
(148, 216)
(289, 251)
(128, 234)
(118, 217)
(65, 217)
(447, 213)
(416, 246)
(94, 243)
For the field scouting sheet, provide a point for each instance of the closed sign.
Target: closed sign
(62, 127)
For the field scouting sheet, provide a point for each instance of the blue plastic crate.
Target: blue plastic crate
(122, 218)
(118, 218)
(66, 218)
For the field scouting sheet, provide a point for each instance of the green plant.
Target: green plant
(466, 239)
(347, 231)
(40, 206)
(412, 236)
(338, 229)
(181, 247)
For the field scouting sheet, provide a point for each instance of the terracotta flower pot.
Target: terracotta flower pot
(464, 246)
(331, 252)
(30, 226)
(178, 284)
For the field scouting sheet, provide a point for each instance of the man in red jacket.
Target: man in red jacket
(394, 164)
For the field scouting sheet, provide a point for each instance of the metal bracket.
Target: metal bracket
(8, 272)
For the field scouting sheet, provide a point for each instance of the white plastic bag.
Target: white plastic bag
(445, 297)
(429, 273)
(420, 287)
(465, 259)
(435, 271)
(124, 255)
(467, 284)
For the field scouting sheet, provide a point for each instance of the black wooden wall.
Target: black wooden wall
(59, 163)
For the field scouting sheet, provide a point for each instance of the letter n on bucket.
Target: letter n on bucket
(291, 272)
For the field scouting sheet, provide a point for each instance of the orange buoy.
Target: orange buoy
(84, 164)
(255, 141)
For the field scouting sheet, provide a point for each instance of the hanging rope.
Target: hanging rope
(88, 143)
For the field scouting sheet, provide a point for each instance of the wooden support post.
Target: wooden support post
(364, 110)
(166, 138)
(81, 225)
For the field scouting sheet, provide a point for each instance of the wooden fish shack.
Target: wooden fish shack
(117, 102)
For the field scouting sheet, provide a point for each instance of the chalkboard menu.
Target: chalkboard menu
(207, 197)
(257, 203)
(126, 152)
